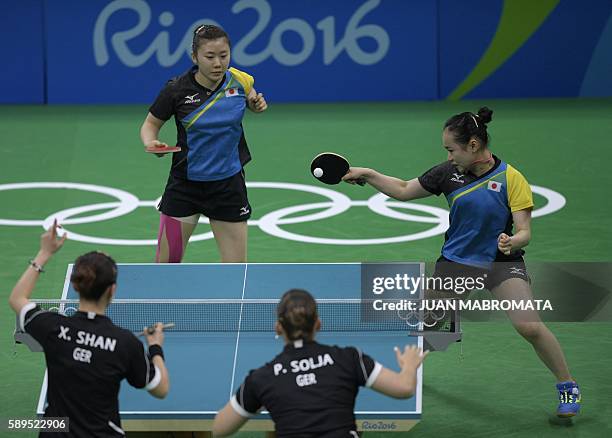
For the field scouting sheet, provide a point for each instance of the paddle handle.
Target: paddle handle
(359, 181)
(151, 329)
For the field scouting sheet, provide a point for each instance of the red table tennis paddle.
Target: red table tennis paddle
(162, 149)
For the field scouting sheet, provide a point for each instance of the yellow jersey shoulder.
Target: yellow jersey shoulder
(245, 79)
(519, 191)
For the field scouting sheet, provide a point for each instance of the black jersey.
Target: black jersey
(87, 357)
(309, 389)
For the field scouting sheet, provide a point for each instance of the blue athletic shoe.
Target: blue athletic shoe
(569, 399)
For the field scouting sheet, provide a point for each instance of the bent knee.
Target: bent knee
(529, 330)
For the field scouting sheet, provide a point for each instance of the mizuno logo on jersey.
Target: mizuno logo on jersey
(515, 270)
(244, 210)
(494, 185)
(457, 177)
(192, 99)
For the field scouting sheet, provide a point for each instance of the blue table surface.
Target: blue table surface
(205, 368)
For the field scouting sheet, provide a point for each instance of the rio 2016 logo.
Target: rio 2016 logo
(166, 57)
(378, 425)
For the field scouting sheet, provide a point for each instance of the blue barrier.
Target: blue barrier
(22, 76)
(523, 48)
(123, 51)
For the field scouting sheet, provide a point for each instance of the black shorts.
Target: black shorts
(223, 200)
(489, 278)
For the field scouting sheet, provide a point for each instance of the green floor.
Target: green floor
(499, 388)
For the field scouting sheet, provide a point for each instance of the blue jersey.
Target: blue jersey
(209, 124)
(480, 209)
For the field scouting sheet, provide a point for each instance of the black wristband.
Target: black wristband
(155, 350)
(38, 268)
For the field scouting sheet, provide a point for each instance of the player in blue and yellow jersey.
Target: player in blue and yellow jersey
(489, 224)
(207, 177)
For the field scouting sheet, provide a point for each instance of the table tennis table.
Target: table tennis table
(206, 368)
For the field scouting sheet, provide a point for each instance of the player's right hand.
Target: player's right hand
(157, 144)
(412, 356)
(157, 337)
(356, 174)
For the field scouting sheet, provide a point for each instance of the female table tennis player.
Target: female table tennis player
(207, 176)
(87, 355)
(318, 402)
(490, 222)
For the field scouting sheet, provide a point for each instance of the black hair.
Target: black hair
(464, 126)
(297, 314)
(207, 32)
(92, 274)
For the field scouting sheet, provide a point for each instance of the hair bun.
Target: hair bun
(485, 115)
(84, 278)
(92, 274)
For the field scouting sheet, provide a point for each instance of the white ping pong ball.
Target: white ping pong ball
(60, 231)
(318, 172)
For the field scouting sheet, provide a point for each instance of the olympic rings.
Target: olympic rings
(128, 202)
(337, 203)
(269, 224)
(429, 318)
(66, 311)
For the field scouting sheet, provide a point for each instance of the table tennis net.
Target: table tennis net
(252, 315)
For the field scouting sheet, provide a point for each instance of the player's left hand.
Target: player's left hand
(257, 103)
(157, 337)
(504, 243)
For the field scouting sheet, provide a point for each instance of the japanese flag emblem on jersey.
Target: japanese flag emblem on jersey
(231, 92)
(494, 185)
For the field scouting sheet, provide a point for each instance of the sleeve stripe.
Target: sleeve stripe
(25, 309)
(147, 365)
(239, 409)
(365, 373)
(116, 428)
(155, 380)
(375, 372)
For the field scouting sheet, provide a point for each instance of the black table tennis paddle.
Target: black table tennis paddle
(329, 168)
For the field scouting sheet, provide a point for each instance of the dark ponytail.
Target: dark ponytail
(464, 126)
(92, 274)
(297, 314)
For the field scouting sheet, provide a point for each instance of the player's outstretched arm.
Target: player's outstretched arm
(227, 421)
(49, 244)
(393, 187)
(402, 384)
